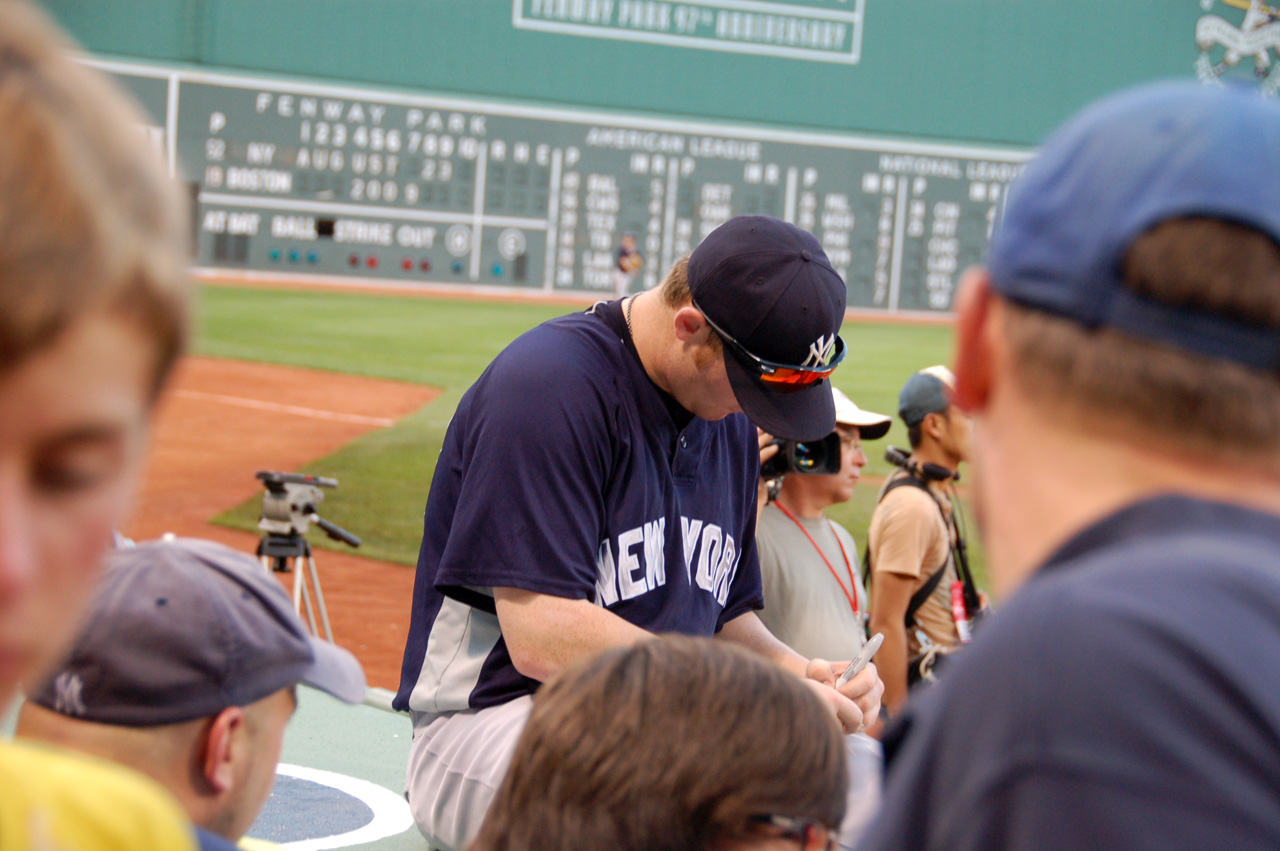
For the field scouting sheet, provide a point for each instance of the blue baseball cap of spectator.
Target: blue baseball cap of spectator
(929, 391)
(1120, 167)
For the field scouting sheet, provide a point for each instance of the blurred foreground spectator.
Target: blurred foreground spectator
(93, 313)
(1121, 356)
(676, 742)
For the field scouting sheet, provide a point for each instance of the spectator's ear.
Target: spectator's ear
(222, 746)
(973, 341)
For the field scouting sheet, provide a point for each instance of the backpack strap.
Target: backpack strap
(922, 594)
(918, 598)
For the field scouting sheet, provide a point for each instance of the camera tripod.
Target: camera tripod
(288, 510)
(282, 553)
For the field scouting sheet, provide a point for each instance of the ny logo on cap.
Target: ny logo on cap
(821, 351)
(67, 688)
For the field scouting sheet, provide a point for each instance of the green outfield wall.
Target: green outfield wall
(510, 144)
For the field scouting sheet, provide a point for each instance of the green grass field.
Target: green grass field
(447, 343)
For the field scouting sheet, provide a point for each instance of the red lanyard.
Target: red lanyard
(851, 596)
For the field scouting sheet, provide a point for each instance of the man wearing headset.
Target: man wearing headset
(911, 539)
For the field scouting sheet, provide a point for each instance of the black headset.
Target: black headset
(928, 472)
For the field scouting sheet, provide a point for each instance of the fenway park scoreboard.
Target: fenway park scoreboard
(338, 182)
(470, 183)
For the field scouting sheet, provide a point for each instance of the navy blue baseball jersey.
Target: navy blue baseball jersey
(567, 472)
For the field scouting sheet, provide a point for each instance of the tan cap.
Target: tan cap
(871, 426)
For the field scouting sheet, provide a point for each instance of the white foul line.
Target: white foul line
(284, 409)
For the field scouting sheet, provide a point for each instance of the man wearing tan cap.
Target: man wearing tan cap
(814, 599)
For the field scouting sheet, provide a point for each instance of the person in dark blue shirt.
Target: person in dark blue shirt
(1121, 354)
(598, 485)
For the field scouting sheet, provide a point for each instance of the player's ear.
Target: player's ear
(690, 325)
(222, 747)
(973, 357)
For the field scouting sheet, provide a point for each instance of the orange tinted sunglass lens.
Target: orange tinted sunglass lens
(795, 376)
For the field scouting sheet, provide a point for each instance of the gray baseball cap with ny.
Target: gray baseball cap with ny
(181, 629)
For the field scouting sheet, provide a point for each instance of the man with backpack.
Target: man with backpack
(913, 542)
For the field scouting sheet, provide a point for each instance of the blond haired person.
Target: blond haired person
(92, 315)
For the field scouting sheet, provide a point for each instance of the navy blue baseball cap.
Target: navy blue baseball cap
(181, 629)
(1117, 169)
(768, 289)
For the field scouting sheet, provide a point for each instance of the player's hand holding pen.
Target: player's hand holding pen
(856, 702)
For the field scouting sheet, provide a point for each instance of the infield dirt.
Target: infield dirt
(222, 421)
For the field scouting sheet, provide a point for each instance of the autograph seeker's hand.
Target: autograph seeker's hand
(766, 451)
(857, 703)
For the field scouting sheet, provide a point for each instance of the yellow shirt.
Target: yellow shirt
(55, 801)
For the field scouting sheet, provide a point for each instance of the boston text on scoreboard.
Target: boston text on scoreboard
(328, 182)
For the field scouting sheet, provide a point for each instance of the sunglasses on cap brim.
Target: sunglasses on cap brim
(779, 375)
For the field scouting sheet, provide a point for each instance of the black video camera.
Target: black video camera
(928, 472)
(811, 458)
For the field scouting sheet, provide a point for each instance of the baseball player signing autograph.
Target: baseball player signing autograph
(598, 484)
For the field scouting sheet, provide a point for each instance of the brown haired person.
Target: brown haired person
(678, 743)
(1121, 355)
(93, 306)
(912, 535)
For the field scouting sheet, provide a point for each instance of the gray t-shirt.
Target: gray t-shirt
(803, 604)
